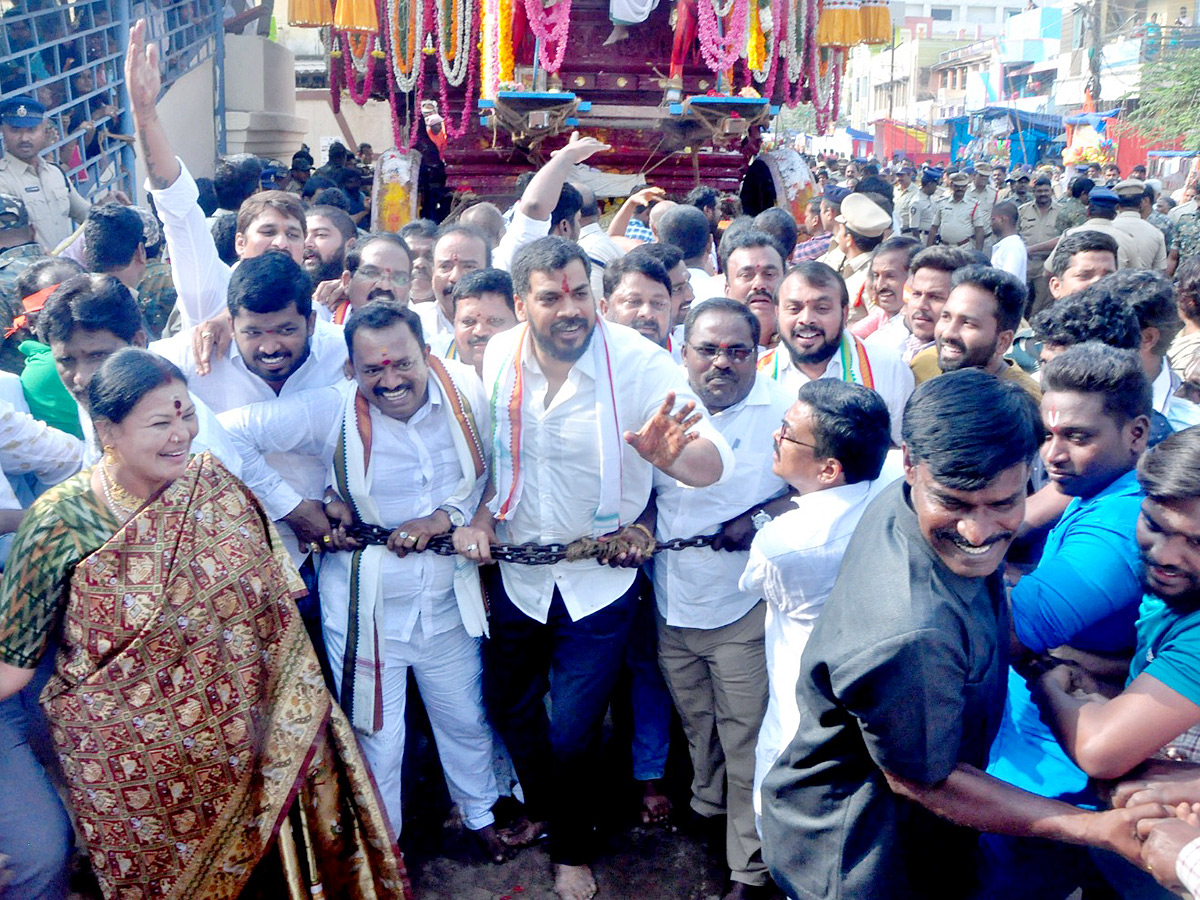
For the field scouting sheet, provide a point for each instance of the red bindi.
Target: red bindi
(178, 408)
(386, 362)
(565, 287)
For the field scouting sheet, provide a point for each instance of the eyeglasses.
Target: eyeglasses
(733, 354)
(370, 273)
(783, 436)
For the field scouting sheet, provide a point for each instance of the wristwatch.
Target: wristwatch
(457, 519)
(760, 518)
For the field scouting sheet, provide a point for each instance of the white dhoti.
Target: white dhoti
(630, 12)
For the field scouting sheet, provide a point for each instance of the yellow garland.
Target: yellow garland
(504, 40)
(756, 52)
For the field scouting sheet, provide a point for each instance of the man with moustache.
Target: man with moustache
(812, 305)
(457, 251)
(884, 324)
(710, 632)
(862, 225)
(483, 307)
(753, 268)
(901, 687)
(399, 447)
(976, 328)
(330, 235)
(637, 293)
(378, 267)
(681, 284)
(957, 221)
(585, 412)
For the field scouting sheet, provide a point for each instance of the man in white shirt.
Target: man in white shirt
(687, 228)
(408, 416)
(1009, 252)
(483, 307)
(600, 248)
(270, 220)
(637, 293)
(710, 632)
(584, 416)
(830, 449)
(814, 342)
(457, 251)
(278, 349)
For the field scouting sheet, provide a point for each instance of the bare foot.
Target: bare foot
(618, 34)
(522, 833)
(656, 806)
(489, 842)
(739, 891)
(574, 882)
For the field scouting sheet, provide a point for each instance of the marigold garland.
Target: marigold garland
(504, 40)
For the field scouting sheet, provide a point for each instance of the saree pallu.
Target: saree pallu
(199, 743)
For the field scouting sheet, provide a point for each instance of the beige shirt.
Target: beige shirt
(1149, 246)
(906, 205)
(923, 209)
(956, 222)
(1125, 252)
(52, 202)
(985, 200)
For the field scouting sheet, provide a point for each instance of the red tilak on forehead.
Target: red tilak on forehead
(566, 287)
(386, 362)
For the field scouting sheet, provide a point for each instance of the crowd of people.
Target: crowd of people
(897, 508)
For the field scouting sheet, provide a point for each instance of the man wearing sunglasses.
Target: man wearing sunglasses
(710, 632)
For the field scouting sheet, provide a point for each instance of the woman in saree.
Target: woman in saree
(203, 754)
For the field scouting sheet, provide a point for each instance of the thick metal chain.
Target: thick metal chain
(528, 554)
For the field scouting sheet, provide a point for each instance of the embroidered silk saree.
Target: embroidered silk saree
(205, 757)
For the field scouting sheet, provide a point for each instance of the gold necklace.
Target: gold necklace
(118, 498)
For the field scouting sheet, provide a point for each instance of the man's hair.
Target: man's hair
(484, 281)
(1187, 289)
(236, 179)
(548, 254)
(702, 197)
(206, 196)
(849, 423)
(638, 262)
(1008, 209)
(287, 205)
(314, 185)
(89, 302)
(687, 228)
(904, 244)
(968, 427)
(589, 208)
(124, 379)
(332, 196)
(818, 274)
(1081, 186)
(667, 254)
(339, 218)
(43, 272)
(569, 203)
(780, 225)
(864, 242)
(722, 304)
(422, 228)
(338, 152)
(485, 216)
(880, 191)
(470, 231)
(1152, 298)
(942, 257)
(224, 235)
(1086, 241)
(380, 314)
(1042, 180)
(1170, 471)
(750, 237)
(1096, 368)
(1089, 315)
(111, 234)
(354, 254)
(1010, 292)
(269, 283)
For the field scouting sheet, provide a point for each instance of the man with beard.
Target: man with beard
(880, 792)
(585, 414)
(812, 305)
(385, 610)
(483, 307)
(278, 349)
(976, 328)
(378, 267)
(457, 251)
(331, 233)
(753, 267)
(1083, 593)
(710, 632)
(637, 293)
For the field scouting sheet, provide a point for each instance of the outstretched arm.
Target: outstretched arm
(667, 442)
(143, 82)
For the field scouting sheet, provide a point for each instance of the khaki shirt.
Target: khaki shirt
(1036, 227)
(834, 257)
(1149, 246)
(905, 202)
(985, 199)
(923, 210)
(956, 222)
(1125, 250)
(52, 202)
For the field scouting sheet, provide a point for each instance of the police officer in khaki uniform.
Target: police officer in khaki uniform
(956, 221)
(52, 202)
(983, 195)
(862, 225)
(925, 205)
(1149, 246)
(906, 193)
(1102, 210)
(831, 201)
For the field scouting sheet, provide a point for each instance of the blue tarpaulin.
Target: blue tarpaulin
(1030, 132)
(857, 135)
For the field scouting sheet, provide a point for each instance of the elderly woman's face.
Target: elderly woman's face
(152, 443)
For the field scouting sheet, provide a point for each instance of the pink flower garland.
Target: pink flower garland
(456, 131)
(719, 52)
(550, 27)
(359, 97)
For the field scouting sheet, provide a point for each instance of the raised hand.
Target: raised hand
(142, 77)
(580, 148)
(665, 434)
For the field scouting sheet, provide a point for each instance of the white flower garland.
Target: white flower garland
(455, 70)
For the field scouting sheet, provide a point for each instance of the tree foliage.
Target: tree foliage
(1169, 101)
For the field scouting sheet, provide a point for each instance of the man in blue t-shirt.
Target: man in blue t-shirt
(1084, 592)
